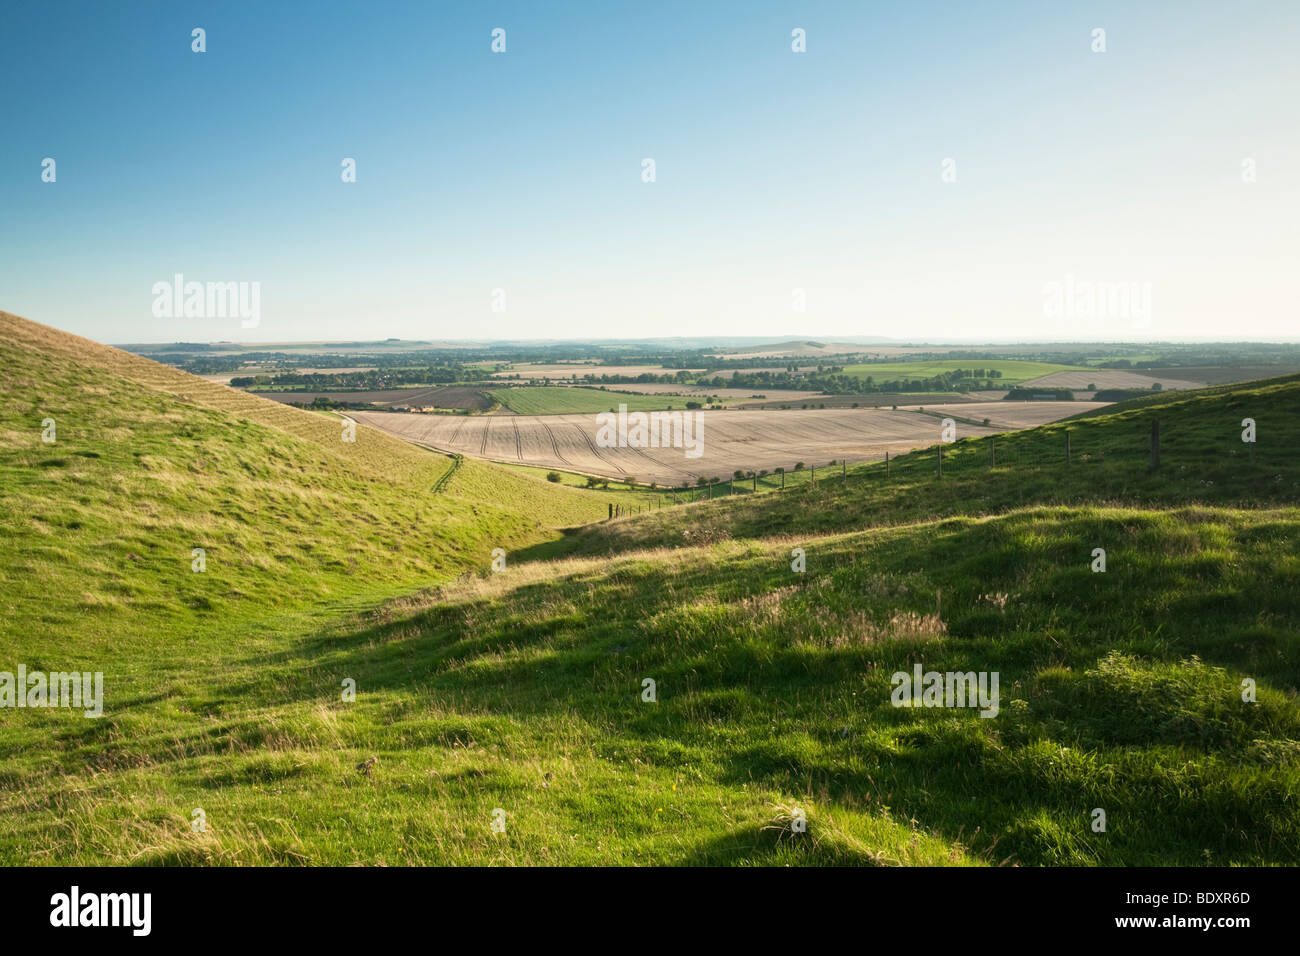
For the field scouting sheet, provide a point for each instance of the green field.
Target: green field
(563, 400)
(1013, 371)
(522, 691)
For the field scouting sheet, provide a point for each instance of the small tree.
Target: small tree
(553, 476)
(798, 466)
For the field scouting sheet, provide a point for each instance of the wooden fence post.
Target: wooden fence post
(1067, 446)
(886, 465)
(940, 459)
(783, 479)
(1155, 443)
(993, 454)
(611, 510)
(844, 468)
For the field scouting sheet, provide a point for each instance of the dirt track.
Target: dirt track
(745, 440)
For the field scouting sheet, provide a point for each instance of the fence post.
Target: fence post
(783, 479)
(993, 454)
(1067, 446)
(940, 446)
(814, 476)
(844, 468)
(611, 510)
(1155, 443)
(756, 481)
(886, 465)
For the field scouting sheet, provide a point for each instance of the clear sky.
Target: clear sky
(775, 170)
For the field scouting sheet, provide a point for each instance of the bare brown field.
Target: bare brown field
(1108, 378)
(438, 396)
(1225, 374)
(732, 440)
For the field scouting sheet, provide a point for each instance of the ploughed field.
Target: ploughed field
(437, 396)
(728, 440)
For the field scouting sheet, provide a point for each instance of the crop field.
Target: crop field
(1223, 374)
(564, 400)
(732, 440)
(1014, 371)
(1111, 378)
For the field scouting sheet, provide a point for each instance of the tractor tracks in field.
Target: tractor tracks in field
(596, 452)
(555, 445)
(455, 433)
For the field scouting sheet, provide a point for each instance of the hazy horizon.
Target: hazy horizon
(706, 340)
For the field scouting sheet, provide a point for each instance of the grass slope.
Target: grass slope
(522, 692)
(100, 527)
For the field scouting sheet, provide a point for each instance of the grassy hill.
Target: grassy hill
(523, 691)
(149, 464)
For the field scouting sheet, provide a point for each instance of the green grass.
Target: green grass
(521, 690)
(1014, 371)
(564, 400)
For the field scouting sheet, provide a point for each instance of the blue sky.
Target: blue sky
(776, 171)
